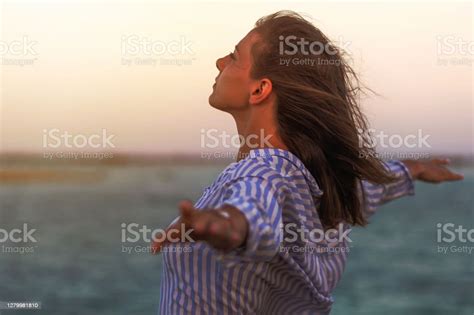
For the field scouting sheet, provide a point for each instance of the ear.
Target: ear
(261, 90)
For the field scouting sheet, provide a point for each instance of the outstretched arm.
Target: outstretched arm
(406, 172)
(432, 171)
(224, 228)
(227, 228)
(243, 226)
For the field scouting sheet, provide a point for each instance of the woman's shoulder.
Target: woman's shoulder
(258, 166)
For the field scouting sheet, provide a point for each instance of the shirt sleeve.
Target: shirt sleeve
(261, 200)
(375, 195)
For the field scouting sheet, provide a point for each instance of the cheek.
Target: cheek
(234, 82)
(232, 73)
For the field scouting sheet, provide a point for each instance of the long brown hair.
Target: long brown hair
(318, 114)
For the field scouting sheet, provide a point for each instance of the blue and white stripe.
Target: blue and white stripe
(272, 188)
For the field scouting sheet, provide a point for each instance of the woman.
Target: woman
(271, 232)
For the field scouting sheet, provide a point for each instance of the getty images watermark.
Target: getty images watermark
(454, 239)
(140, 50)
(290, 46)
(18, 240)
(63, 139)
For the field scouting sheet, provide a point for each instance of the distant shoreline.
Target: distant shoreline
(8, 159)
(89, 167)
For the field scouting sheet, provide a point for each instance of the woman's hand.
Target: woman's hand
(432, 171)
(224, 228)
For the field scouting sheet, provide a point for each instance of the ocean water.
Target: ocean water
(78, 264)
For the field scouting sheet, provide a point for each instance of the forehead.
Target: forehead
(248, 41)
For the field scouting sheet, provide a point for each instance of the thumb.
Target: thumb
(187, 209)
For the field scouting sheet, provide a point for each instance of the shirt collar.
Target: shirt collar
(268, 152)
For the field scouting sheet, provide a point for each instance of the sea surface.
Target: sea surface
(79, 264)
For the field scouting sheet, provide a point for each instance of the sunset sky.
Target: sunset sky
(77, 78)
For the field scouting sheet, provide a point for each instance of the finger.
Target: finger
(214, 229)
(209, 227)
(186, 208)
(220, 229)
(441, 161)
(221, 233)
(202, 222)
(187, 212)
(156, 248)
(451, 176)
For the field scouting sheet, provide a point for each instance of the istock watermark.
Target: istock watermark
(449, 233)
(63, 139)
(454, 50)
(213, 138)
(292, 45)
(378, 138)
(141, 237)
(298, 51)
(55, 138)
(145, 51)
(23, 235)
(372, 138)
(292, 233)
(18, 52)
(219, 139)
(299, 239)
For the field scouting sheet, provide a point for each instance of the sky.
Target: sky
(75, 67)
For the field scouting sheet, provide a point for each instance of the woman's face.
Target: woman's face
(232, 87)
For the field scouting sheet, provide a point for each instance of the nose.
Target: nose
(221, 63)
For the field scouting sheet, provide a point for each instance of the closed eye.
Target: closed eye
(232, 55)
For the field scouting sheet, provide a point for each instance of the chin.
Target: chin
(215, 103)
(211, 100)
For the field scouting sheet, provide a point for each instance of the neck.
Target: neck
(258, 132)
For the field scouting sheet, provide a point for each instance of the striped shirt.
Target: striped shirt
(287, 266)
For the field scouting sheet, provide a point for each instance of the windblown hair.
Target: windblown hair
(318, 114)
